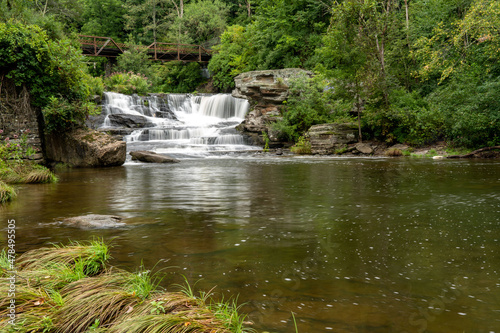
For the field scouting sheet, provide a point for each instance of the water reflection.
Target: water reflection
(348, 245)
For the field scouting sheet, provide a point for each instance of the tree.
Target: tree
(147, 19)
(231, 57)
(104, 18)
(200, 21)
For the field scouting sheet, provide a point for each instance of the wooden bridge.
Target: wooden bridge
(96, 46)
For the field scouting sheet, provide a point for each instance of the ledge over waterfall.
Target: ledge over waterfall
(266, 91)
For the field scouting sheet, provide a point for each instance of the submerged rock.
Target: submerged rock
(151, 157)
(93, 221)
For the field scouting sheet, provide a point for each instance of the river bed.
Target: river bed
(347, 245)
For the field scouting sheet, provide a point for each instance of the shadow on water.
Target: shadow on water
(348, 245)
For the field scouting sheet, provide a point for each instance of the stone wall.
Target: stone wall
(266, 91)
(17, 116)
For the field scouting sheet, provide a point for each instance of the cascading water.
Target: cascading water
(181, 125)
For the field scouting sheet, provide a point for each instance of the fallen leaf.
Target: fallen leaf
(130, 308)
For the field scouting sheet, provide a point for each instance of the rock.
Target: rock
(83, 147)
(399, 146)
(93, 221)
(364, 148)
(279, 151)
(327, 138)
(266, 91)
(151, 157)
(129, 121)
(438, 157)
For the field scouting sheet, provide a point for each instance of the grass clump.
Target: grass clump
(71, 288)
(394, 152)
(26, 173)
(7, 193)
(303, 146)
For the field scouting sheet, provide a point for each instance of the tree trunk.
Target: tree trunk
(381, 51)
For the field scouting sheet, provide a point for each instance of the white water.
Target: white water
(183, 125)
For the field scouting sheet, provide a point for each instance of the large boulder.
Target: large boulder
(266, 91)
(151, 157)
(327, 138)
(93, 221)
(84, 147)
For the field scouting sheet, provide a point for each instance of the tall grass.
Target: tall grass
(7, 193)
(72, 289)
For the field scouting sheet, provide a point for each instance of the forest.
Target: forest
(412, 71)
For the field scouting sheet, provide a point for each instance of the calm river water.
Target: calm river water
(347, 245)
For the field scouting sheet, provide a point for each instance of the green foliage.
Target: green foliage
(60, 114)
(265, 136)
(7, 193)
(231, 57)
(128, 83)
(143, 283)
(103, 18)
(176, 77)
(49, 68)
(307, 105)
(202, 20)
(470, 108)
(16, 148)
(134, 60)
(303, 146)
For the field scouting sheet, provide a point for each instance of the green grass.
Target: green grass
(26, 173)
(71, 288)
(7, 193)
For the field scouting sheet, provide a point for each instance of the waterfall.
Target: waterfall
(181, 125)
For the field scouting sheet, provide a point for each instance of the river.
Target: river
(347, 245)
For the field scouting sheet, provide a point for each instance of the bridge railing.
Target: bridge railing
(107, 47)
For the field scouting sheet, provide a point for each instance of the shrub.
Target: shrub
(61, 114)
(306, 105)
(303, 146)
(48, 67)
(7, 192)
(176, 77)
(128, 83)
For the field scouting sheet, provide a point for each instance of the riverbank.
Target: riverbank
(73, 289)
(383, 149)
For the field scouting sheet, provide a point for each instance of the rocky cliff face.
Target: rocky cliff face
(18, 117)
(330, 138)
(84, 147)
(266, 91)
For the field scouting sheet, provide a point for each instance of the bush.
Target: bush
(471, 109)
(49, 68)
(60, 114)
(176, 77)
(303, 146)
(128, 83)
(409, 119)
(307, 104)
(7, 193)
(134, 60)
